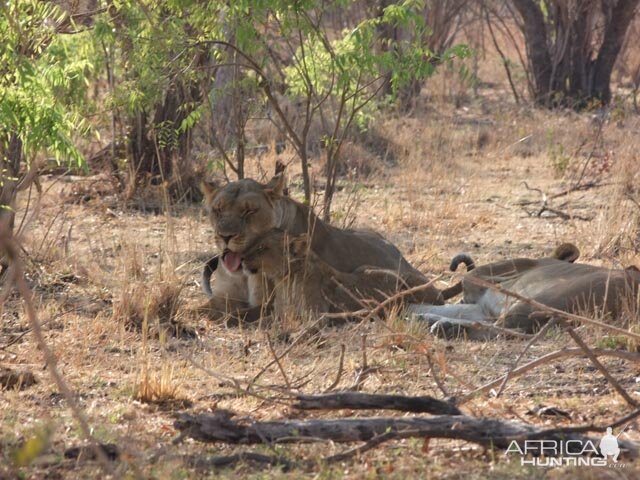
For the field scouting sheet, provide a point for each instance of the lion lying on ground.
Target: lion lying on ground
(302, 281)
(242, 212)
(555, 282)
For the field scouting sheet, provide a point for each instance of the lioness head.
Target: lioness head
(241, 212)
(275, 253)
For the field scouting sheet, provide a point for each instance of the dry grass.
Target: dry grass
(108, 280)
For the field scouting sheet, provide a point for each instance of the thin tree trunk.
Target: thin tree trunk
(535, 32)
(10, 161)
(560, 47)
(621, 18)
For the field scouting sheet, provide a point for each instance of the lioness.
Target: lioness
(303, 281)
(554, 281)
(243, 211)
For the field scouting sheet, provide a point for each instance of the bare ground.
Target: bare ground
(104, 275)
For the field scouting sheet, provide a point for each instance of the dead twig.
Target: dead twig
(234, 382)
(370, 445)
(589, 428)
(436, 377)
(349, 293)
(614, 383)
(336, 382)
(15, 339)
(364, 371)
(546, 208)
(277, 360)
(565, 352)
(596, 140)
(504, 331)
(529, 344)
(630, 197)
(302, 336)
(400, 295)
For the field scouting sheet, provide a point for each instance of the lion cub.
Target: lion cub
(299, 279)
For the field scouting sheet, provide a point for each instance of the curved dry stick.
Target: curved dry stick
(565, 352)
(533, 340)
(277, 360)
(369, 445)
(8, 244)
(234, 383)
(587, 351)
(340, 369)
(399, 295)
(504, 331)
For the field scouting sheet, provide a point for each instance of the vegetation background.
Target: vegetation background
(497, 127)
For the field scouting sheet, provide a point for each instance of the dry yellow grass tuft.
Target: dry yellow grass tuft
(148, 307)
(158, 388)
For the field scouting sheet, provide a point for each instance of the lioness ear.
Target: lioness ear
(209, 189)
(299, 245)
(276, 185)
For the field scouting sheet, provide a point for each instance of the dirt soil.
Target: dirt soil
(106, 273)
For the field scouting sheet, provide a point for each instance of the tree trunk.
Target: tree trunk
(158, 149)
(10, 160)
(535, 34)
(388, 40)
(621, 18)
(570, 65)
(155, 144)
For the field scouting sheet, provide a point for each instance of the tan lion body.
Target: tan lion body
(303, 281)
(243, 211)
(570, 287)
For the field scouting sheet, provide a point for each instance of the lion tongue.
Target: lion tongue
(232, 261)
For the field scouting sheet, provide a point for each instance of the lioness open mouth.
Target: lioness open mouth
(232, 260)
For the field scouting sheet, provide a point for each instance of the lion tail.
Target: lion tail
(207, 271)
(456, 289)
(462, 258)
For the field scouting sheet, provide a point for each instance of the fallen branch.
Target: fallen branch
(488, 432)
(544, 207)
(565, 352)
(363, 401)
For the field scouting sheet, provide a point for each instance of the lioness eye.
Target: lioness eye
(249, 211)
